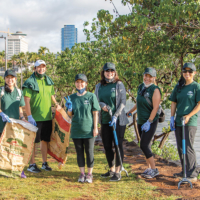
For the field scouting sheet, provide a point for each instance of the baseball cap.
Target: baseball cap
(81, 77)
(10, 72)
(109, 65)
(39, 62)
(189, 65)
(151, 71)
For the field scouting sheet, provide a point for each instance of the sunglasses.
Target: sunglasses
(189, 71)
(110, 70)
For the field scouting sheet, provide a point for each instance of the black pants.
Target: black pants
(108, 139)
(86, 145)
(191, 163)
(146, 137)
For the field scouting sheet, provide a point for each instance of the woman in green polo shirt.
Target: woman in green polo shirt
(83, 107)
(111, 91)
(186, 103)
(12, 100)
(147, 117)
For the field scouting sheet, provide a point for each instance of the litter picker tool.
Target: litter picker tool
(116, 142)
(184, 179)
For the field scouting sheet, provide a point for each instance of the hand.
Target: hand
(58, 107)
(95, 132)
(187, 118)
(31, 120)
(25, 120)
(5, 117)
(113, 122)
(172, 125)
(105, 109)
(128, 114)
(146, 126)
(68, 104)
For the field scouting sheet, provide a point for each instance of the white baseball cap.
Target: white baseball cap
(39, 62)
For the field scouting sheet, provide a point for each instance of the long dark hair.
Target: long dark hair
(103, 81)
(181, 83)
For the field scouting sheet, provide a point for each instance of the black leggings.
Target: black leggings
(145, 142)
(108, 138)
(87, 145)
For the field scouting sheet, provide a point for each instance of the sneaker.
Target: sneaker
(115, 177)
(89, 178)
(81, 178)
(46, 167)
(152, 173)
(33, 168)
(107, 174)
(146, 172)
(177, 175)
(23, 175)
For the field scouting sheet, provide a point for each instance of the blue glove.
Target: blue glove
(172, 125)
(113, 122)
(31, 120)
(5, 117)
(146, 126)
(68, 103)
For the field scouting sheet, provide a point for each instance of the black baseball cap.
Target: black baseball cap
(10, 72)
(151, 71)
(189, 65)
(81, 76)
(109, 65)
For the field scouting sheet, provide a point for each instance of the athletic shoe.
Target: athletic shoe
(115, 177)
(177, 175)
(46, 167)
(81, 178)
(152, 173)
(23, 175)
(89, 178)
(108, 174)
(146, 172)
(33, 168)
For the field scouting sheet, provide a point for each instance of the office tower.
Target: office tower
(69, 36)
(17, 44)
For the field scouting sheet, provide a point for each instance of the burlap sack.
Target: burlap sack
(16, 145)
(58, 145)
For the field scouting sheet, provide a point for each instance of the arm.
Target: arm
(122, 93)
(55, 102)
(69, 113)
(95, 121)
(27, 105)
(132, 110)
(21, 114)
(156, 102)
(194, 111)
(173, 108)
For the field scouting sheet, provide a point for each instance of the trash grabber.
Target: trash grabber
(116, 142)
(184, 180)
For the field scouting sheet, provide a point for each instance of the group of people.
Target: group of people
(88, 109)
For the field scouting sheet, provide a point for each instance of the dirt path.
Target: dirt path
(165, 182)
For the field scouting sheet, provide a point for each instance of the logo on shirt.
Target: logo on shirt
(86, 102)
(18, 98)
(190, 93)
(112, 89)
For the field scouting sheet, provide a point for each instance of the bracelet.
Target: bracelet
(22, 117)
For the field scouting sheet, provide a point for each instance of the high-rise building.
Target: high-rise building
(69, 36)
(17, 44)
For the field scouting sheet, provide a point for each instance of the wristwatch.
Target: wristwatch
(151, 121)
(22, 117)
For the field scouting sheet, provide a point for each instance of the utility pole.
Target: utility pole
(21, 76)
(5, 54)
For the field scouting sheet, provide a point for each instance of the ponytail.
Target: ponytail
(181, 83)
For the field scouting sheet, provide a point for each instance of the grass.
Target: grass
(62, 184)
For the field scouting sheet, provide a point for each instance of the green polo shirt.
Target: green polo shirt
(40, 103)
(186, 99)
(82, 120)
(143, 107)
(107, 94)
(10, 103)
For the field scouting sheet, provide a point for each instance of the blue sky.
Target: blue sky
(42, 20)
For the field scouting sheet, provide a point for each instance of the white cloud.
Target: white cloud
(42, 20)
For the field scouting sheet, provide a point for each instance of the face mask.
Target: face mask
(148, 85)
(7, 88)
(40, 75)
(81, 91)
(109, 80)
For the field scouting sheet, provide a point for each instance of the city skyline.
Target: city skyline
(42, 23)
